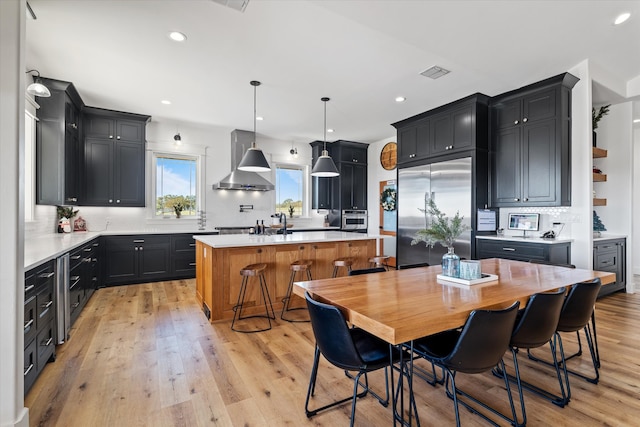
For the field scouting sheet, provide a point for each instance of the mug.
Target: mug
(470, 270)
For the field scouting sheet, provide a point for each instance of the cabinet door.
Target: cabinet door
(441, 133)
(322, 255)
(99, 127)
(49, 162)
(540, 105)
(128, 174)
(352, 155)
(505, 171)
(128, 130)
(359, 187)
(71, 153)
(407, 144)
(463, 122)
(346, 186)
(507, 113)
(540, 163)
(98, 172)
(154, 257)
(121, 263)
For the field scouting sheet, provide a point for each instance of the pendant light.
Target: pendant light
(324, 166)
(254, 160)
(36, 88)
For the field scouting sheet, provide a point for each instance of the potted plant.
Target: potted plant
(291, 210)
(64, 218)
(178, 207)
(445, 231)
(596, 117)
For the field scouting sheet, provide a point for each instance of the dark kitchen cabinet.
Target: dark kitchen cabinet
(136, 258)
(58, 145)
(556, 253)
(83, 276)
(611, 255)
(456, 127)
(39, 321)
(350, 187)
(530, 145)
(321, 187)
(183, 256)
(114, 158)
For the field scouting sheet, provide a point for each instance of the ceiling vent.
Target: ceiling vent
(435, 72)
(239, 5)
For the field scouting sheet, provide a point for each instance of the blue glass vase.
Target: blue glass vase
(451, 263)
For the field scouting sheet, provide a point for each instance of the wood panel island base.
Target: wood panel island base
(219, 260)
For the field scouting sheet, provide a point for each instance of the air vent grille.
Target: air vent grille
(239, 5)
(435, 72)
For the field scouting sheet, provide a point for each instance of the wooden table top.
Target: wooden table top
(402, 305)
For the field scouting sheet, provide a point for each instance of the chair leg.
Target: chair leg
(237, 309)
(287, 299)
(237, 315)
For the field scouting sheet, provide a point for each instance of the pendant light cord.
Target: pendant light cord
(325, 99)
(254, 115)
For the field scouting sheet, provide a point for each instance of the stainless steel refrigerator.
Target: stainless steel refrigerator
(449, 183)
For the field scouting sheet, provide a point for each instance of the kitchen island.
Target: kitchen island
(219, 260)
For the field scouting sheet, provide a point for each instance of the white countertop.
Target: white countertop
(244, 240)
(609, 237)
(43, 248)
(526, 239)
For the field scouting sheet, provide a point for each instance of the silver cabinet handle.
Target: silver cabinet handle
(118, 137)
(110, 200)
(509, 249)
(75, 257)
(74, 126)
(355, 160)
(87, 249)
(47, 343)
(135, 249)
(28, 324)
(118, 201)
(28, 288)
(526, 199)
(525, 120)
(87, 259)
(47, 305)
(110, 136)
(516, 122)
(75, 278)
(141, 248)
(192, 264)
(516, 200)
(72, 199)
(46, 275)
(75, 304)
(28, 369)
(138, 241)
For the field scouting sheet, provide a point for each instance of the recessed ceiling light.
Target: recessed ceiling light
(400, 99)
(177, 36)
(165, 102)
(259, 118)
(330, 130)
(621, 18)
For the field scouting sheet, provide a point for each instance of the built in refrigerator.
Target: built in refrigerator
(449, 184)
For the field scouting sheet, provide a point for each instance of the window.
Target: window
(176, 186)
(290, 189)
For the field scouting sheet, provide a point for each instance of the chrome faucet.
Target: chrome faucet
(284, 227)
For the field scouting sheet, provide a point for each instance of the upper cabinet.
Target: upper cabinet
(114, 158)
(58, 145)
(530, 145)
(452, 128)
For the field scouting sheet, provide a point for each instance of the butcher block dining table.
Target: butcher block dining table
(400, 306)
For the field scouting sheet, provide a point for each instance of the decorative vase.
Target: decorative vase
(451, 263)
(178, 214)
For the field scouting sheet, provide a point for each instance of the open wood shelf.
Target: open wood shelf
(599, 153)
(599, 177)
(599, 202)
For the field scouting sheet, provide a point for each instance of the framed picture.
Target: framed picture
(79, 224)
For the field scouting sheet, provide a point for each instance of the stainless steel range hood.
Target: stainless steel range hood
(237, 179)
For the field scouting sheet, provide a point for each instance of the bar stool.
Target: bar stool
(301, 265)
(342, 262)
(380, 261)
(253, 270)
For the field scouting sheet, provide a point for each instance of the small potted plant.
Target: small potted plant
(445, 231)
(291, 210)
(596, 116)
(64, 218)
(178, 207)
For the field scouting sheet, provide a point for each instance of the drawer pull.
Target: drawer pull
(47, 343)
(139, 241)
(28, 288)
(46, 275)
(509, 249)
(192, 264)
(47, 305)
(75, 257)
(75, 304)
(87, 249)
(192, 244)
(73, 285)
(75, 278)
(26, 371)
(28, 324)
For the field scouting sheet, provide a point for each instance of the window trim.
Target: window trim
(306, 182)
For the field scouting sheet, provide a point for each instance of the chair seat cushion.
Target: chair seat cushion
(373, 351)
(438, 345)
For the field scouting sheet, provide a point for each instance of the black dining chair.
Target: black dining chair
(351, 349)
(536, 326)
(575, 316)
(476, 348)
(367, 271)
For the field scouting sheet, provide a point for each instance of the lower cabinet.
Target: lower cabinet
(556, 253)
(610, 255)
(136, 258)
(183, 256)
(83, 276)
(39, 321)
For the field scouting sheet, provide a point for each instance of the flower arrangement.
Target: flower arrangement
(597, 116)
(388, 199)
(443, 230)
(291, 210)
(178, 207)
(64, 212)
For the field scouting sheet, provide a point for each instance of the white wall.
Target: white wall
(636, 197)
(377, 173)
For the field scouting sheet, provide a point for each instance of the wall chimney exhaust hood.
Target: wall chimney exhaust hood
(237, 179)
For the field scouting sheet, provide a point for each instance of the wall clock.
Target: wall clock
(388, 156)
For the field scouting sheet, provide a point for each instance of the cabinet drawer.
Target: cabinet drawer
(184, 265)
(30, 319)
(46, 345)
(510, 250)
(606, 261)
(75, 259)
(30, 365)
(183, 244)
(44, 305)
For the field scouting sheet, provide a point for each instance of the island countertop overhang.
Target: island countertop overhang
(249, 240)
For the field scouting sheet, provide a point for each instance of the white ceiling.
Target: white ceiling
(361, 54)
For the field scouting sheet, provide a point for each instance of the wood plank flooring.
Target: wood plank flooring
(145, 355)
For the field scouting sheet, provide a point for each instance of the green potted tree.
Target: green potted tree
(596, 116)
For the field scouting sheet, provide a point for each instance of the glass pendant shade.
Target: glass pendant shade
(254, 161)
(324, 166)
(36, 88)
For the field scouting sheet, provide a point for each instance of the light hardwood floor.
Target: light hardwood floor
(145, 355)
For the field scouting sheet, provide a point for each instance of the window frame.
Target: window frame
(304, 169)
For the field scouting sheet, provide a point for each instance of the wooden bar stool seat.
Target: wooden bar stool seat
(380, 261)
(302, 266)
(342, 262)
(253, 270)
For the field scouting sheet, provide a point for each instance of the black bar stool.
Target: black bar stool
(301, 265)
(253, 270)
(342, 262)
(380, 261)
